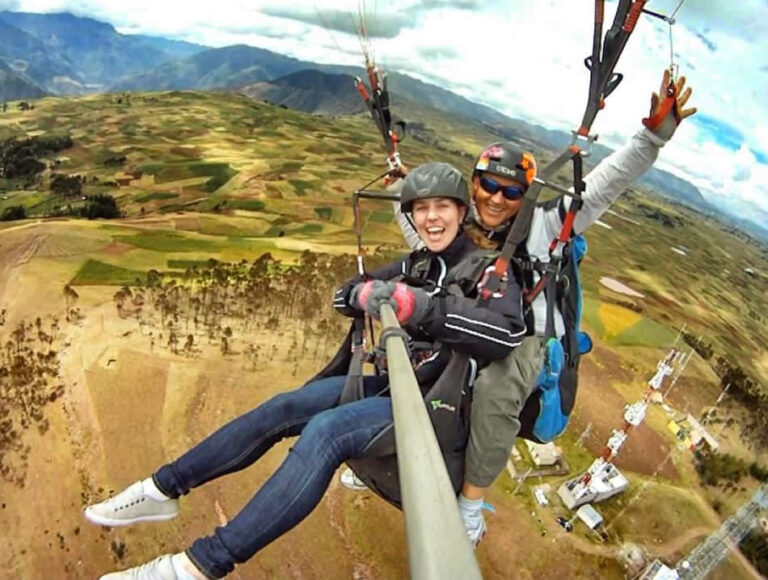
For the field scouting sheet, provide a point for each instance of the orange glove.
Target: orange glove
(667, 113)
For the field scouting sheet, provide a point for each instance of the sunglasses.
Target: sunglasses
(510, 192)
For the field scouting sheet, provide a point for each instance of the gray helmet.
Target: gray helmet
(508, 160)
(433, 180)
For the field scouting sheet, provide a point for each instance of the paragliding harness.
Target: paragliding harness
(550, 374)
(447, 400)
(551, 392)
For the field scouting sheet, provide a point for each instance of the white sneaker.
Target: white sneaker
(130, 506)
(351, 481)
(158, 569)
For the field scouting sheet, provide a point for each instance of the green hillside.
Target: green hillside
(193, 151)
(266, 172)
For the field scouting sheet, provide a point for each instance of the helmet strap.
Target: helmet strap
(479, 222)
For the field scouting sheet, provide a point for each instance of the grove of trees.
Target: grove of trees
(750, 395)
(19, 158)
(14, 212)
(99, 206)
(66, 185)
(744, 390)
(29, 380)
(223, 304)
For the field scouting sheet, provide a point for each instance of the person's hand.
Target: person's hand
(369, 296)
(667, 112)
(411, 304)
(398, 172)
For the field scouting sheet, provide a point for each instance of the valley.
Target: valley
(249, 201)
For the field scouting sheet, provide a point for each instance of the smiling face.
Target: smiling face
(494, 209)
(437, 220)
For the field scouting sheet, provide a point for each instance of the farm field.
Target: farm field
(211, 179)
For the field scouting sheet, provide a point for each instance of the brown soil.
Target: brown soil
(119, 420)
(116, 248)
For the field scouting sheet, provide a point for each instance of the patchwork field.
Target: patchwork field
(210, 178)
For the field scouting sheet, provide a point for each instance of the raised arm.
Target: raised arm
(612, 176)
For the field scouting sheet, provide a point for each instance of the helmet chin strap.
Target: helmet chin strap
(479, 222)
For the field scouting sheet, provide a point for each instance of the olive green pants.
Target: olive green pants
(500, 391)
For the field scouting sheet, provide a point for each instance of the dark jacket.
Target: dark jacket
(454, 321)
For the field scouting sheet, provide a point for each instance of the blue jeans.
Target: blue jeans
(330, 435)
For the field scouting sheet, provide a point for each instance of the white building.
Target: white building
(699, 434)
(543, 454)
(541, 496)
(589, 516)
(657, 570)
(605, 482)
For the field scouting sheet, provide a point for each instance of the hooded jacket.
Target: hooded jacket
(454, 320)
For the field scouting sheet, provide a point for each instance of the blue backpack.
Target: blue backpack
(547, 409)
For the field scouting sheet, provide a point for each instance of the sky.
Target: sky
(524, 58)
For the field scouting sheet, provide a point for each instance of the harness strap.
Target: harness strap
(566, 232)
(353, 384)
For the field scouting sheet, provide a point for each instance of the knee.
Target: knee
(286, 404)
(323, 436)
(321, 428)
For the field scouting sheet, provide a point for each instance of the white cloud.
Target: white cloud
(522, 57)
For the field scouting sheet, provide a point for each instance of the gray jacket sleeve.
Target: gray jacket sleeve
(604, 184)
(613, 175)
(409, 230)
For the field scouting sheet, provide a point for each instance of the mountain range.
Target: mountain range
(62, 54)
(16, 85)
(65, 54)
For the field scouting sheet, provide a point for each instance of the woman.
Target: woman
(435, 196)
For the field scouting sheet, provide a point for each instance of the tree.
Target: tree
(14, 212)
(154, 279)
(66, 185)
(100, 206)
(70, 297)
(119, 297)
(138, 303)
(189, 345)
(173, 342)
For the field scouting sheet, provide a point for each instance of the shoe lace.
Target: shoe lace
(127, 498)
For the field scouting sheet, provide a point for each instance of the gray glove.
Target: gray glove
(369, 296)
(410, 304)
